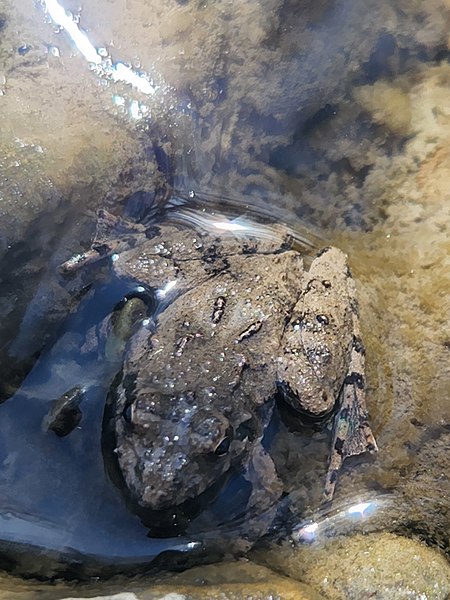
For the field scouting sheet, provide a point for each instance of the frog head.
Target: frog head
(171, 448)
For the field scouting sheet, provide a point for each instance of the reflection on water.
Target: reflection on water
(346, 518)
(100, 61)
(239, 218)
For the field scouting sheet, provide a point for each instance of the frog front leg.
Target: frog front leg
(113, 234)
(266, 485)
(267, 489)
(322, 364)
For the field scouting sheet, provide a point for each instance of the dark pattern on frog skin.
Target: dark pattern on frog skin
(238, 320)
(219, 309)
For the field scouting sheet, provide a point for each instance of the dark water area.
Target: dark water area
(55, 494)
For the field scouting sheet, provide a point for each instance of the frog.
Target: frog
(237, 321)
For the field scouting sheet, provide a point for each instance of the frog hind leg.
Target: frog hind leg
(351, 434)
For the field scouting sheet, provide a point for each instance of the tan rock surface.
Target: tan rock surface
(383, 566)
(227, 581)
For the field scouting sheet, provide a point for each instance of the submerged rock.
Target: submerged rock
(65, 413)
(378, 565)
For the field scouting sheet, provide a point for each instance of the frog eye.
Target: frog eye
(127, 413)
(223, 446)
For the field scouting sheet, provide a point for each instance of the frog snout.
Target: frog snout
(156, 497)
(171, 483)
(315, 401)
(169, 459)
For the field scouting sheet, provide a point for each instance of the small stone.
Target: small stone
(65, 413)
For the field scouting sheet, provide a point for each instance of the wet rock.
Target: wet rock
(232, 581)
(228, 581)
(387, 104)
(379, 565)
(404, 294)
(279, 588)
(426, 491)
(401, 270)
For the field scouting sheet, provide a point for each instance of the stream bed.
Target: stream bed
(330, 119)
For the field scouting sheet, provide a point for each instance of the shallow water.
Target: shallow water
(346, 141)
(69, 510)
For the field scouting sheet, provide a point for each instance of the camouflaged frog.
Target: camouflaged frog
(236, 322)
